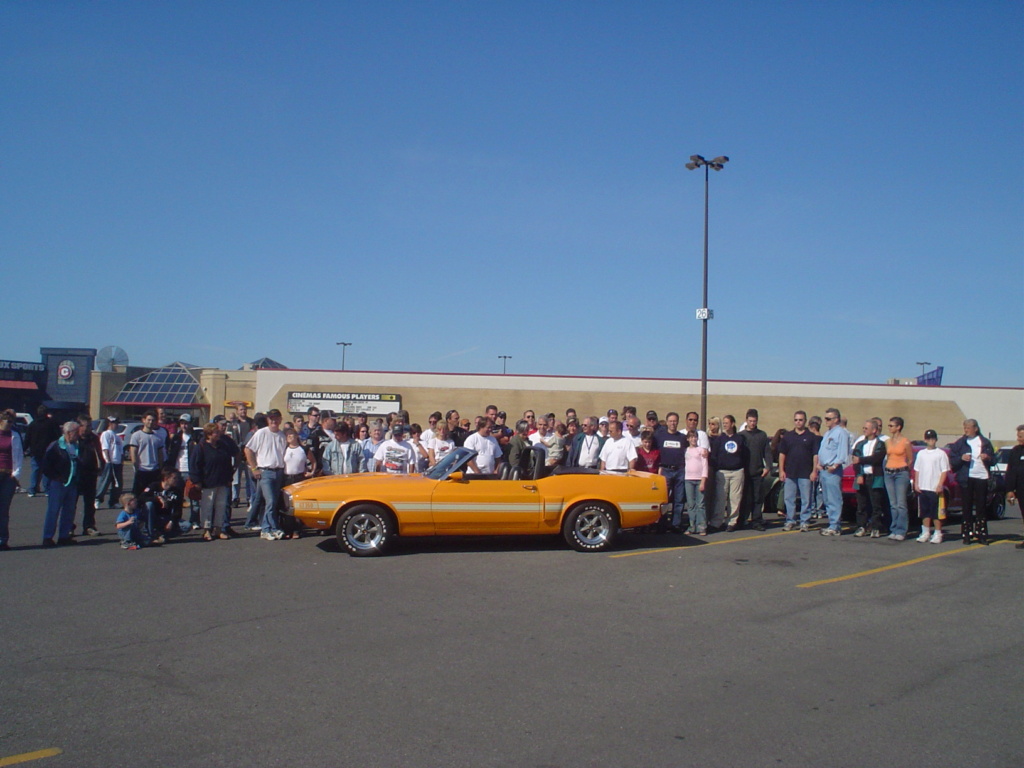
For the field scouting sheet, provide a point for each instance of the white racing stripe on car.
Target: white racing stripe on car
(479, 506)
(470, 506)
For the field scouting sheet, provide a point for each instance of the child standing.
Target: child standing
(696, 477)
(127, 523)
(648, 458)
(930, 469)
(297, 466)
(296, 459)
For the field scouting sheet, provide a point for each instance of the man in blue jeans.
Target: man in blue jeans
(796, 470)
(832, 457)
(672, 444)
(264, 453)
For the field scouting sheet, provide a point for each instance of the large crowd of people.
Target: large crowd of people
(716, 479)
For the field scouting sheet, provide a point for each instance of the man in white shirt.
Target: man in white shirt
(395, 456)
(618, 453)
(633, 430)
(112, 478)
(586, 446)
(264, 453)
(429, 433)
(488, 451)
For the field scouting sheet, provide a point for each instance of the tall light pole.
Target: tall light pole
(504, 359)
(704, 314)
(344, 346)
(923, 365)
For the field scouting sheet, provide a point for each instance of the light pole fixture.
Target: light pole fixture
(923, 365)
(344, 346)
(504, 360)
(703, 313)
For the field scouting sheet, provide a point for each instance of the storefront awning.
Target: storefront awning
(19, 385)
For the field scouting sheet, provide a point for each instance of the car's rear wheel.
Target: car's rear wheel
(591, 527)
(366, 530)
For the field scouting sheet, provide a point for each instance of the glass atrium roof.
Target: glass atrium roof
(173, 384)
(265, 363)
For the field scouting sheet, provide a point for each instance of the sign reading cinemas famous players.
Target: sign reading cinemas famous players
(345, 402)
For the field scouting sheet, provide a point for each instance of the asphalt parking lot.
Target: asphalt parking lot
(743, 649)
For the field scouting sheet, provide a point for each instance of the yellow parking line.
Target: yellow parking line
(704, 544)
(26, 757)
(915, 561)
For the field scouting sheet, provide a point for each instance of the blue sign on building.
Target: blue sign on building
(930, 379)
(68, 374)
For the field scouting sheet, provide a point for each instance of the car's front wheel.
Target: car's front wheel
(366, 530)
(591, 527)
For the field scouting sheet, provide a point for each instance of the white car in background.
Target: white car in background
(1002, 457)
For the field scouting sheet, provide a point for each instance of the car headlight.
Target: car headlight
(289, 506)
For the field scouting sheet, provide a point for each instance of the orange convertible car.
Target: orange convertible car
(367, 511)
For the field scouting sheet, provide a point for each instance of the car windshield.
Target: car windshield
(453, 462)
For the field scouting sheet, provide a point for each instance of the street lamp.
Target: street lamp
(504, 359)
(922, 365)
(704, 314)
(344, 346)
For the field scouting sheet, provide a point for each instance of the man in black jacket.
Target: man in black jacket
(41, 432)
(759, 465)
(1015, 473)
(90, 464)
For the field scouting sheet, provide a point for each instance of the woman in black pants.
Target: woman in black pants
(970, 457)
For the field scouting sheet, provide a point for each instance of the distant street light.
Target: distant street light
(344, 346)
(923, 365)
(504, 360)
(704, 314)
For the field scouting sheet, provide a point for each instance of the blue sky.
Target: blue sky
(441, 183)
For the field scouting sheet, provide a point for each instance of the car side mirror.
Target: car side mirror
(456, 476)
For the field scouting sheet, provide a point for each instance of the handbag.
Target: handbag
(192, 491)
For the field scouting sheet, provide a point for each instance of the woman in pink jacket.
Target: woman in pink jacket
(696, 477)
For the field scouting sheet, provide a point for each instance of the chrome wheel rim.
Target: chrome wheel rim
(593, 526)
(364, 531)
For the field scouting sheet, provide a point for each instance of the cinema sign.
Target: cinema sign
(372, 404)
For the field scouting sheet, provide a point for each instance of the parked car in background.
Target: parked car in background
(21, 422)
(1002, 457)
(125, 429)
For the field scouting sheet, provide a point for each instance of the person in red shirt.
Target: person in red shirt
(648, 458)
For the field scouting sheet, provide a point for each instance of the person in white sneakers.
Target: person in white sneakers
(930, 469)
